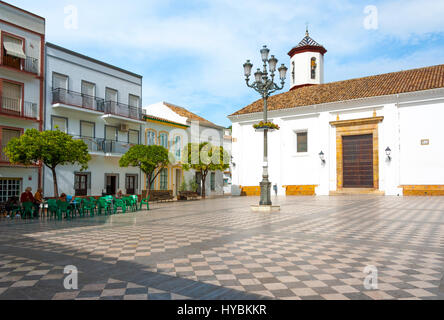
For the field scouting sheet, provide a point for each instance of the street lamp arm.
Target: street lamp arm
(255, 85)
(276, 87)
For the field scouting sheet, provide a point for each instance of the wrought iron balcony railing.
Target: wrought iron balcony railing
(29, 64)
(105, 146)
(19, 108)
(77, 99)
(123, 110)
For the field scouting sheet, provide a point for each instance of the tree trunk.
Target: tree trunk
(204, 176)
(56, 187)
(148, 183)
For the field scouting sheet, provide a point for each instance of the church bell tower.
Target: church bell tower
(306, 63)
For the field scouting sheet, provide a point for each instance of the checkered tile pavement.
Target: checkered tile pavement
(287, 268)
(122, 243)
(22, 273)
(314, 248)
(112, 289)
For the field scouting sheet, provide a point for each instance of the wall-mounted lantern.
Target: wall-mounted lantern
(322, 156)
(388, 152)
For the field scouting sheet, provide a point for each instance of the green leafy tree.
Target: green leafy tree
(183, 186)
(193, 185)
(150, 159)
(52, 148)
(204, 158)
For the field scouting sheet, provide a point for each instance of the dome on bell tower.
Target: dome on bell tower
(306, 63)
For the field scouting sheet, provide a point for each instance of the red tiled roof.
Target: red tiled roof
(188, 114)
(372, 86)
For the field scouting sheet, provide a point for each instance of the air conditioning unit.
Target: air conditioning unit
(124, 127)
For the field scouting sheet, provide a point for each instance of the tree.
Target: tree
(52, 148)
(204, 158)
(150, 159)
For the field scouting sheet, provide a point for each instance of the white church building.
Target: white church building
(380, 134)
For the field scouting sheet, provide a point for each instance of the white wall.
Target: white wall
(422, 164)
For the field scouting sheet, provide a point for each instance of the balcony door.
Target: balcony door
(59, 81)
(87, 133)
(60, 123)
(134, 102)
(110, 138)
(13, 52)
(111, 97)
(133, 137)
(59, 88)
(12, 98)
(88, 95)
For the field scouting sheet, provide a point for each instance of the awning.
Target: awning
(14, 47)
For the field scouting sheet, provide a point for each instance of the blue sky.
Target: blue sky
(191, 52)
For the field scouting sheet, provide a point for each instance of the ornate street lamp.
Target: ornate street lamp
(264, 84)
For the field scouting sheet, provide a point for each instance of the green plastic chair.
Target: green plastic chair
(52, 208)
(27, 210)
(119, 203)
(145, 201)
(63, 208)
(76, 206)
(130, 203)
(104, 204)
(135, 200)
(88, 206)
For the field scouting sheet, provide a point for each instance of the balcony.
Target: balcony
(76, 101)
(100, 145)
(119, 110)
(15, 107)
(29, 64)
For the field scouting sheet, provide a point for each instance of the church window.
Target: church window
(301, 142)
(313, 66)
(293, 70)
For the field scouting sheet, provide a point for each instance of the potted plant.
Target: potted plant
(268, 125)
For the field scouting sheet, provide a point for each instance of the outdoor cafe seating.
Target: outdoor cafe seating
(81, 207)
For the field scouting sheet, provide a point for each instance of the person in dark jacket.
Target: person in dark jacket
(27, 196)
(11, 204)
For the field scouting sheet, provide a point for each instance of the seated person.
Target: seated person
(27, 196)
(38, 199)
(62, 197)
(11, 204)
(119, 194)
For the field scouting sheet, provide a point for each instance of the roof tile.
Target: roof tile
(372, 86)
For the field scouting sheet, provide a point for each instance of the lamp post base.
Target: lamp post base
(265, 193)
(265, 208)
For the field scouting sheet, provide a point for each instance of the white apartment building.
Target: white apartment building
(100, 104)
(194, 129)
(22, 38)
